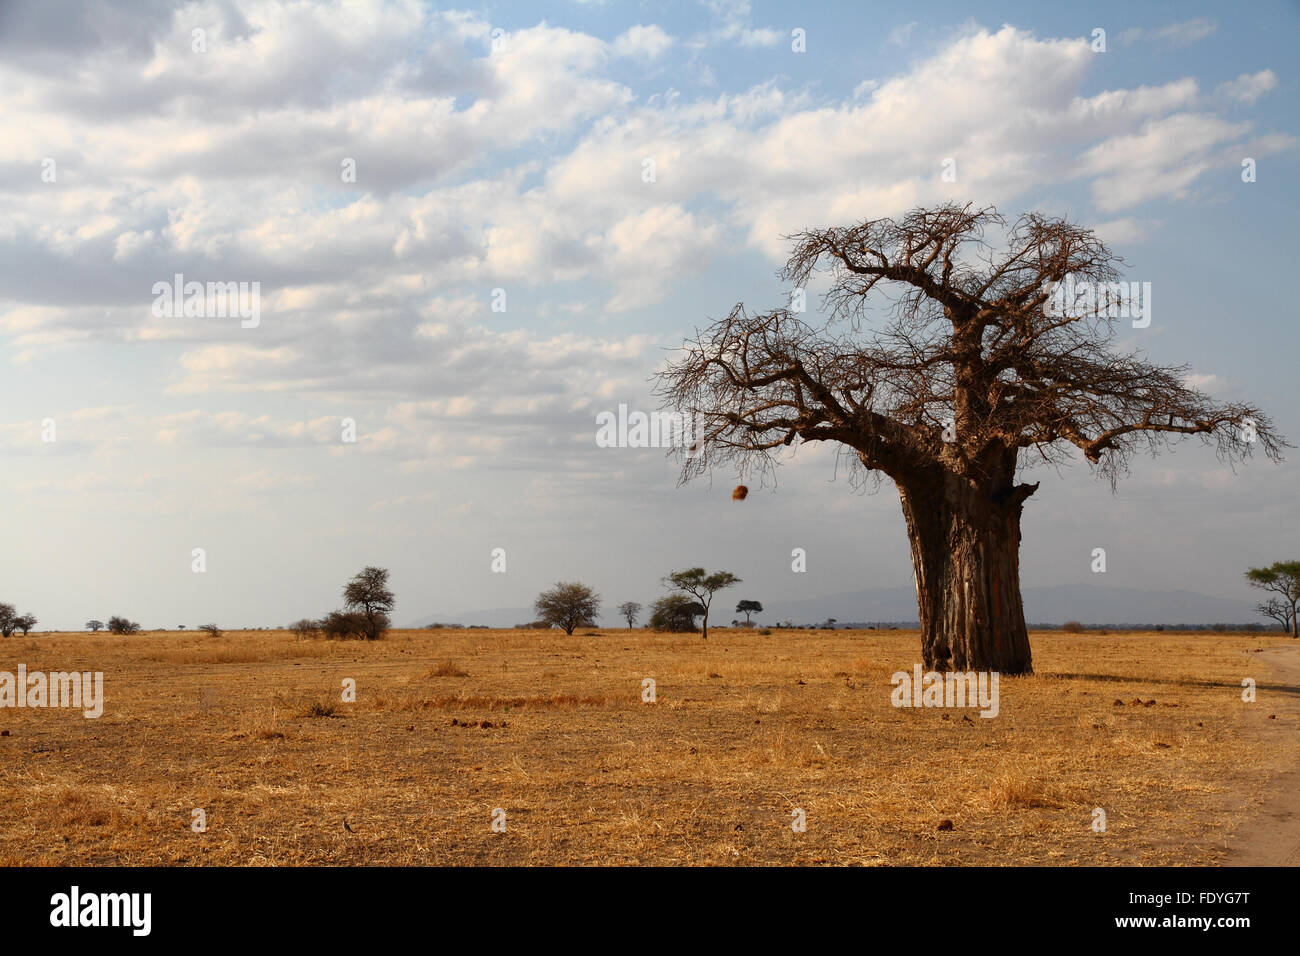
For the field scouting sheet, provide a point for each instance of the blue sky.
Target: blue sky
(519, 167)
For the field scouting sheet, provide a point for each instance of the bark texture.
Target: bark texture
(966, 557)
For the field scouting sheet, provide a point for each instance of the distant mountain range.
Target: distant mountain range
(1090, 604)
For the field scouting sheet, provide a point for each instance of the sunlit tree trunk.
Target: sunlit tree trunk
(966, 556)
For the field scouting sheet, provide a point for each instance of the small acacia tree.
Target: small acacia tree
(568, 605)
(701, 585)
(1281, 578)
(629, 610)
(988, 359)
(26, 622)
(122, 625)
(94, 625)
(8, 620)
(368, 594)
(749, 607)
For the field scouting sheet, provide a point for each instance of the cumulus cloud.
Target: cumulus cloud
(734, 25)
(647, 41)
(508, 164)
(1249, 87)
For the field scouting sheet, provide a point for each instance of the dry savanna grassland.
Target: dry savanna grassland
(747, 728)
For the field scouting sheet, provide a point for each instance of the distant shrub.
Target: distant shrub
(305, 628)
(1072, 627)
(121, 625)
(676, 613)
(446, 669)
(345, 626)
(765, 631)
(210, 629)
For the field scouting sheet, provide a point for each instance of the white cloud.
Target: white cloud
(1179, 34)
(1162, 160)
(647, 41)
(1249, 87)
(735, 26)
(902, 34)
(366, 286)
(1125, 231)
(1207, 382)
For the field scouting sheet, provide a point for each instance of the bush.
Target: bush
(446, 669)
(305, 628)
(1072, 627)
(676, 613)
(345, 625)
(210, 629)
(120, 625)
(318, 709)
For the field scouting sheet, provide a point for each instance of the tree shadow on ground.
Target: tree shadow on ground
(1173, 682)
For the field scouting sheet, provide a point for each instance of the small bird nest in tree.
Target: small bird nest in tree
(740, 493)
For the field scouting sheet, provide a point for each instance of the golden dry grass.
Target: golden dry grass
(449, 725)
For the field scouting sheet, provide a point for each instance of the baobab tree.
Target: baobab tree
(978, 367)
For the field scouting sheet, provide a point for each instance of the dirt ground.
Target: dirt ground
(548, 737)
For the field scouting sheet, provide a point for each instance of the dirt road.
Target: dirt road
(1272, 836)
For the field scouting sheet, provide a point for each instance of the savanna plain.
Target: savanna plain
(551, 737)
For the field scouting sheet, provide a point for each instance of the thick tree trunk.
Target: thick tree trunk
(966, 555)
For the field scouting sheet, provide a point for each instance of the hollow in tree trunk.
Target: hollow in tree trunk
(965, 540)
